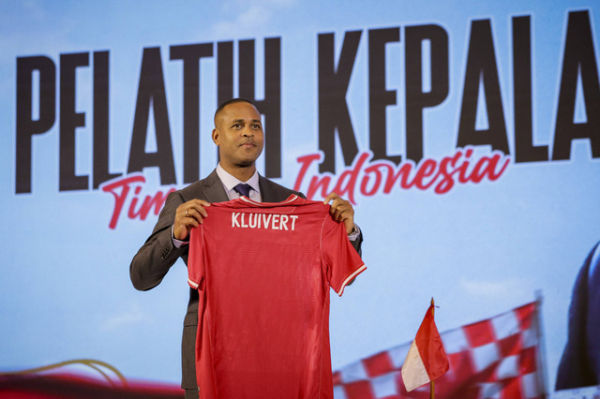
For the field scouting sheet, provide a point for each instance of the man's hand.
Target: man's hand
(187, 216)
(341, 210)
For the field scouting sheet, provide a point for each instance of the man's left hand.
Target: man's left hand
(341, 210)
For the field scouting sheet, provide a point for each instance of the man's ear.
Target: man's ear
(215, 136)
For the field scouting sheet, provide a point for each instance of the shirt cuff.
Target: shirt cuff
(354, 233)
(178, 243)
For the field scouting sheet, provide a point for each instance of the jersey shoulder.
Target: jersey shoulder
(274, 192)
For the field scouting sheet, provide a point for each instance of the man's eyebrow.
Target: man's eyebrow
(243, 120)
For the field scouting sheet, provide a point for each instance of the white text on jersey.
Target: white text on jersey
(263, 221)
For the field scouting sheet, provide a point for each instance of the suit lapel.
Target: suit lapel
(270, 192)
(213, 189)
(209, 189)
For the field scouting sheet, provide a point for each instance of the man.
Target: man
(580, 362)
(238, 134)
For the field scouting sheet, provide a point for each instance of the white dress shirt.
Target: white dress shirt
(229, 182)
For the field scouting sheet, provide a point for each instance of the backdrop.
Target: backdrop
(467, 134)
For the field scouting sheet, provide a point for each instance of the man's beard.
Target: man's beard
(244, 164)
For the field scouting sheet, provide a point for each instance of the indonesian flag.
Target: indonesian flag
(498, 357)
(426, 359)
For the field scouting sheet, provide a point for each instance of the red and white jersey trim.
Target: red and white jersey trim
(292, 198)
(349, 278)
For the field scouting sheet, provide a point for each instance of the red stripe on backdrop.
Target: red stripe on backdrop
(527, 361)
(512, 389)
(511, 345)
(480, 333)
(524, 314)
(359, 390)
(378, 364)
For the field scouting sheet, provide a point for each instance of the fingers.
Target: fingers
(192, 210)
(187, 216)
(341, 210)
(331, 196)
(195, 215)
(338, 205)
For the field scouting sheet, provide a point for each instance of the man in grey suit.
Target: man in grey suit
(580, 362)
(239, 136)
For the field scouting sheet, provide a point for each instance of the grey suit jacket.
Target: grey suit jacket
(580, 362)
(158, 254)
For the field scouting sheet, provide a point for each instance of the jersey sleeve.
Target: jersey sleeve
(340, 257)
(196, 258)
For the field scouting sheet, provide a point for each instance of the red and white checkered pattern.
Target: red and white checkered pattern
(493, 358)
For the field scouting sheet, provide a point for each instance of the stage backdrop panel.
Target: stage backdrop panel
(467, 134)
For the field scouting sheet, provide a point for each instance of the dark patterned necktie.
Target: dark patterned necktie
(243, 189)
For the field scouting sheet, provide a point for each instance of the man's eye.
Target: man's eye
(256, 126)
(236, 126)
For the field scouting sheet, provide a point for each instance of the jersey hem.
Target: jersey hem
(350, 277)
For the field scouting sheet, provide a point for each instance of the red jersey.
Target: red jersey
(263, 272)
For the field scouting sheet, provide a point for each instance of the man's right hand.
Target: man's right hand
(187, 216)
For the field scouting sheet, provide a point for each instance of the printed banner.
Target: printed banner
(466, 136)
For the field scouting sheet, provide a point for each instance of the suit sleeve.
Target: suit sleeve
(341, 258)
(196, 258)
(158, 254)
(575, 369)
(357, 244)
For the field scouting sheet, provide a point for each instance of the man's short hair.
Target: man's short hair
(233, 101)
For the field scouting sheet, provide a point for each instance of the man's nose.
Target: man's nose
(247, 131)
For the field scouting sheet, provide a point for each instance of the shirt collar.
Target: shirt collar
(230, 181)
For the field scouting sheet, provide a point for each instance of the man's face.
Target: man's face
(238, 134)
